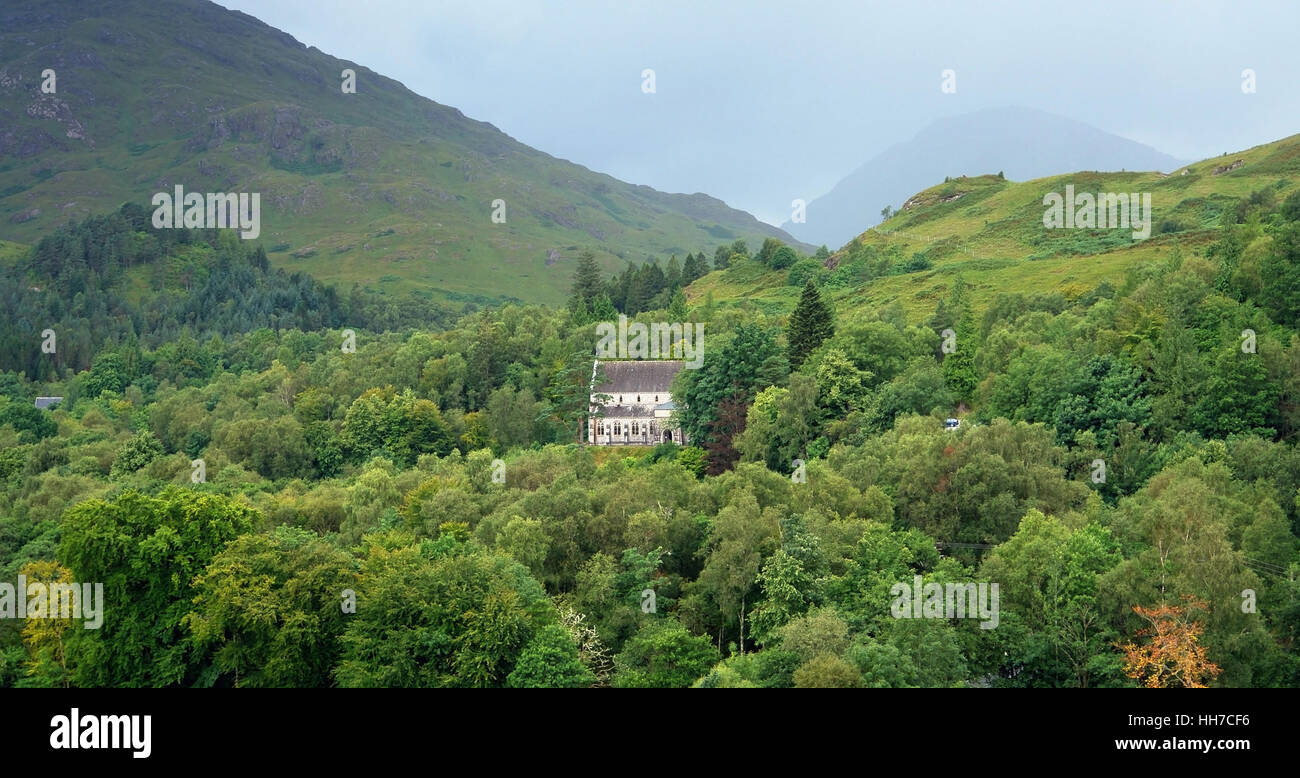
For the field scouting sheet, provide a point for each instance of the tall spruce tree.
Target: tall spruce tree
(673, 276)
(586, 279)
(695, 266)
(810, 325)
(603, 309)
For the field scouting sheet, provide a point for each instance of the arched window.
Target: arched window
(616, 428)
(638, 398)
(634, 428)
(600, 428)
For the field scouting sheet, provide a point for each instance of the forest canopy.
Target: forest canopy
(267, 507)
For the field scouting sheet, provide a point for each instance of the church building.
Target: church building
(638, 405)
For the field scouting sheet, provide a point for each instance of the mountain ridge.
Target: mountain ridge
(991, 140)
(992, 236)
(383, 187)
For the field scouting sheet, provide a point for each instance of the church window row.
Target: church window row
(634, 428)
(638, 398)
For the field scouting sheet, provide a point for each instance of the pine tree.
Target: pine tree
(579, 313)
(586, 279)
(602, 309)
(619, 286)
(694, 267)
(567, 395)
(640, 289)
(810, 325)
(677, 306)
(655, 281)
(673, 276)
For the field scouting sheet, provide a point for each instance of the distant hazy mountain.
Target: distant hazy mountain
(381, 186)
(1019, 142)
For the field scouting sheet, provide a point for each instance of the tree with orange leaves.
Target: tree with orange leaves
(1174, 656)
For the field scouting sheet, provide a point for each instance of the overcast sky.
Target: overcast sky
(759, 102)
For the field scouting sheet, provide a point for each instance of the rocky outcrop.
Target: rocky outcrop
(1227, 168)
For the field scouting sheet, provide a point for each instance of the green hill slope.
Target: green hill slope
(990, 232)
(382, 187)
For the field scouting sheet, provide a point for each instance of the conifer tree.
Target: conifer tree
(586, 278)
(959, 366)
(810, 325)
(695, 266)
(677, 306)
(673, 276)
(602, 309)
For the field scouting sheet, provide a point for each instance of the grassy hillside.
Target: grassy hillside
(10, 252)
(1023, 142)
(990, 231)
(381, 187)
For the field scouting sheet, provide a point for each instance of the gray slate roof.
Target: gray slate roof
(627, 412)
(638, 375)
(45, 402)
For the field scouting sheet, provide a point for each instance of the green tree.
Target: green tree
(767, 251)
(269, 609)
(841, 386)
(526, 541)
(695, 266)
(783, 257)
(402, 425)
(566, 399)
(512, 415)
(454, 620)
(959, 366)
(663, 655)
(827, 671)
(781, 423)
(550, 661)
(749, 360)
(1280, 273)
(137, 452)
(739, 537)
(1048, 577)
(586, 279)
(602, 308)
(810, 325)
(677, 306)
(791, 579)
(147, 551)
(107, 374)
(30, 423)
(722, 258)
(1239, 396)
